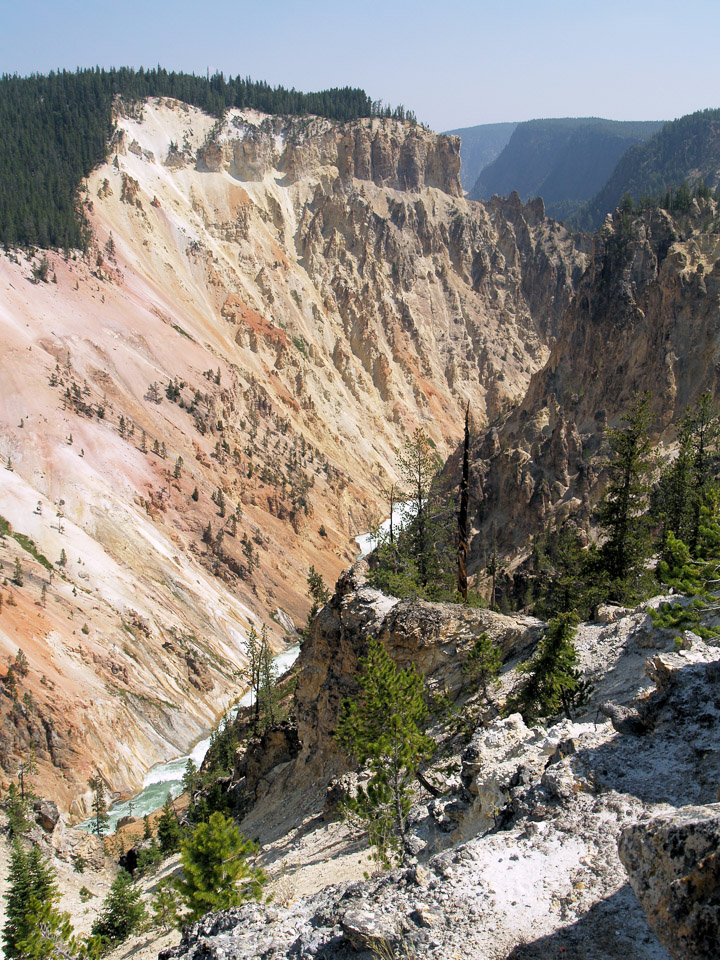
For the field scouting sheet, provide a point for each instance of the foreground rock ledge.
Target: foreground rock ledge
(673, 862)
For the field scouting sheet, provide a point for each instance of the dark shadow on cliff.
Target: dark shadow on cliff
(613, 929)
(677, 759)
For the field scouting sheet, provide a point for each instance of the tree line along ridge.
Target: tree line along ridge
(55, 129)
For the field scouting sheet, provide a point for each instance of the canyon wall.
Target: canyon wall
(209, 402)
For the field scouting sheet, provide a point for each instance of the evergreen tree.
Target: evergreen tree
(268, 694)
(383, 729)
(169, 831)
(122, 914)
(191, 783)
(483, 663)
(463, 514)
(692, 576)
(17, 808)
(552, 683)
(101, 819)
(318, 593)
(216, 872)
(49, 935)
(622, 512)
(28, 767)
(685, 484)
(31, 881)
(253, 675)
(261, 676)
(566, 576)
(165, 907)
(420, 559)
(417, 464)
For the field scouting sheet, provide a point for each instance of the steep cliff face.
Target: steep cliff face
(390, 154)
(645, 317)
(518, 857)
(210, 402)
(432, 637)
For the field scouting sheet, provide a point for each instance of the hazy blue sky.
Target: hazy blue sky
(456, 63)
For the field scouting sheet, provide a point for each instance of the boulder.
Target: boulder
(46, 814)
(71, 844)
(673, 862)
(369, 930)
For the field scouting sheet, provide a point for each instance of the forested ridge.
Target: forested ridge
(684, 150)
(564, 160)
(54, 129)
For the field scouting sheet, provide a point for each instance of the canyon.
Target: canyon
(209, 403)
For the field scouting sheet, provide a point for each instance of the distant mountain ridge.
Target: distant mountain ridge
(566, 161)
(480, 145)
(684, 150)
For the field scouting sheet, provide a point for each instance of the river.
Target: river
(166, 778)
(400, 516)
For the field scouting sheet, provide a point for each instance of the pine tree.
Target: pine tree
(421, 558)
(165, 907)
(101, 819)
(17, 808)
(567, 576)
(252, 674)
(692, 576)
(462, 585)
(169, 831)
(685, 484)
(123, 911)
(28, 767)
(383, 729)
(483, 663)
(318, 593)
(268, 695)
(216, 872)
(49, 935)
(417, 464)
(17, 899)
(622, 512)
(31, 881)
(552, 683)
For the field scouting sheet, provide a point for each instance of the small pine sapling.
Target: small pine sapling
(482, 666)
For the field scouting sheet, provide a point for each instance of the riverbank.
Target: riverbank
(166, 777)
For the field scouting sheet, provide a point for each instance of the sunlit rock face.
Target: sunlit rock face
(268, 307)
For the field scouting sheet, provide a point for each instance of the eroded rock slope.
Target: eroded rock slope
(210, 401)
(519, 856)
(645, 317)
